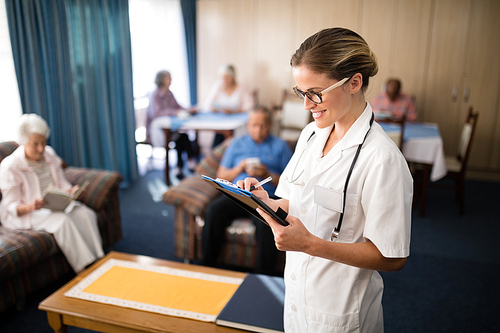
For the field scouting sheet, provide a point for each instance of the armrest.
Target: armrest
(192, 194)
(102, 184)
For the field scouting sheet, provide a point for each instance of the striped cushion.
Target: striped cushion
(20, 249)
(209, 165)
(16, 288)
(192, 194)
(6, 148)
(100, 184)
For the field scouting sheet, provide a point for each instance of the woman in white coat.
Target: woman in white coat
(24, 175)
(347, 190)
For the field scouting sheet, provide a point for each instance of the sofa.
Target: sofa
(30, 260)
(190, 199)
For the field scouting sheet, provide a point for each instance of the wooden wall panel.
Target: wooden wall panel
(432, 45)
(409, 59)
(378, 28)
(224, 35)
(445, 70)
(327, 14)
(274, 33)
(482, 86)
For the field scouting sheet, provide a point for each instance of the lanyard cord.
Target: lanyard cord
(336, 231)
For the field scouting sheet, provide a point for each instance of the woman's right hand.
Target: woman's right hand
(30, 207)
(259, 192)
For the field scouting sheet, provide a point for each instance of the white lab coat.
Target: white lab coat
(327, 296)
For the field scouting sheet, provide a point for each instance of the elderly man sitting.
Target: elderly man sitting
(256, 154)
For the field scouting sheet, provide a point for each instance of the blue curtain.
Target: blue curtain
(189, 16)
(74, 68)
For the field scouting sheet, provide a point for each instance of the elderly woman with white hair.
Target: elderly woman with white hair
(25, 175)
(228, 96)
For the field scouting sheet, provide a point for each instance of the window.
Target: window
(10, 109)
(158, 42)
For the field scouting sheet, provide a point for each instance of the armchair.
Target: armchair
(190, 199)
(30, 259)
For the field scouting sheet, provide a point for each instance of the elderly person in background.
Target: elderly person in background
(227, 96)
(25, 175)
(257, 154)
(162, 106)
(394, 103)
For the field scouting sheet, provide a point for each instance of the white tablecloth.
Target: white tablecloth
(422, 143)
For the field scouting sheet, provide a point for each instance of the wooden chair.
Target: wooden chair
(457, 165)
(397, 137)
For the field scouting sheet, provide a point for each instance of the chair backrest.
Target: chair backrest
(397, 137)
(293, 118)
(464, 146)
(6, 148)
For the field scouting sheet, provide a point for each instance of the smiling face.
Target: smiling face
(336, 103)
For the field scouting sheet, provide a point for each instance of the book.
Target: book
(246, 199)
(256, 306)
(56, 199)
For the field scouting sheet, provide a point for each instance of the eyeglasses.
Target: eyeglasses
(317, 97)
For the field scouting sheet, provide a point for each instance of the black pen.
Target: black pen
(265, 181)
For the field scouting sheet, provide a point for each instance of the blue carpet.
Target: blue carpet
(449, 284)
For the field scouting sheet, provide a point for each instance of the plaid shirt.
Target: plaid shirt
(402, 105)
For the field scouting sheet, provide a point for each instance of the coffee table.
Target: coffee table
(65, 311)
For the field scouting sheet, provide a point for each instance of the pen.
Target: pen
(265, 181)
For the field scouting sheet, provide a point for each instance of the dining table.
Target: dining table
(201, 121)
(423, 145)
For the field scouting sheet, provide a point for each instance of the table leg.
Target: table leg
(167, 165)
(55, 321)
(425, 185)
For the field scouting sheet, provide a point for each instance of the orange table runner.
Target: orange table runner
(157, 289)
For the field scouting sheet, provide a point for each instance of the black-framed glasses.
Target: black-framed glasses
(317, 97)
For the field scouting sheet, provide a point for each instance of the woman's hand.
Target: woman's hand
(259, 192)
(72, 190)
(38, 204)
(24, 209)
(293, 237)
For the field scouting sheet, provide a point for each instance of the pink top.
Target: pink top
(20, 185)
(402, 105)
(161, 103)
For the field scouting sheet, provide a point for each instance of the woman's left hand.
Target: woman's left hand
(72, 190)
(293, 237)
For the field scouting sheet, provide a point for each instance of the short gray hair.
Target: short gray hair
(160, 77)
(30, 123)
(227, 69)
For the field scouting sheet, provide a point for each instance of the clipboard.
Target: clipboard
(247, 200)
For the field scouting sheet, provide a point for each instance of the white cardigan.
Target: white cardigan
(20, 185)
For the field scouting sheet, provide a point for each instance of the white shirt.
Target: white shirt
(327, 296)
(219, 99)
(20, 185)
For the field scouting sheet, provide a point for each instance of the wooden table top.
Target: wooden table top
(65, 311)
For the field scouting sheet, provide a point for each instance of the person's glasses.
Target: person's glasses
(317, 97)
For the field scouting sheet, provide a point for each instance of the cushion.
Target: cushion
(20, 249)
(6, 148)
(209, 165)
(192, 194)
(100, 184)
